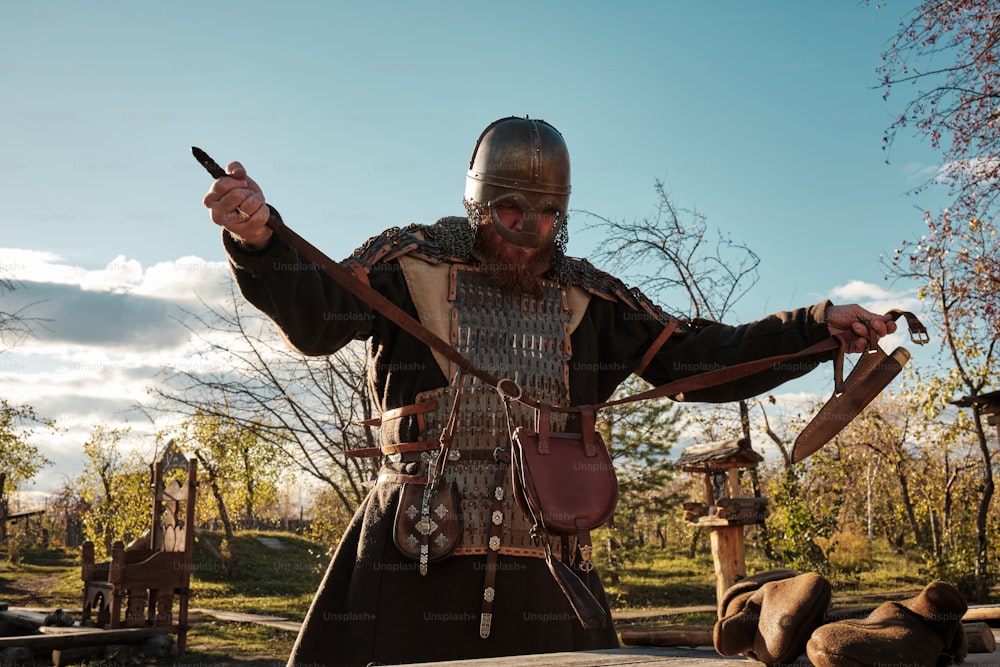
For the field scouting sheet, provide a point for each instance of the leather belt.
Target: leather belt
(400, 478)
(418, 408)
(398, 448)
(493, 545)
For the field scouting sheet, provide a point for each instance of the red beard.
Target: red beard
(511, 266)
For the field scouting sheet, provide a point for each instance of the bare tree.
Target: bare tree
(677, 259)
(310, 408)
(675, 252)
(15, 325)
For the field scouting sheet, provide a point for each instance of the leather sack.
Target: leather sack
(428, 531)
(564, 482)
(566, 485)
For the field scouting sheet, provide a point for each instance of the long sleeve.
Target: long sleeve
(317, 316)
(314, 315)
(612, 339)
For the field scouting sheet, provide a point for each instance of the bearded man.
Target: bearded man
(498, 286)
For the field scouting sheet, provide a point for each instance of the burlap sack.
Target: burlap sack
(924, 630)
(770, 616)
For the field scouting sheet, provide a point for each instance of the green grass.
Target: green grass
(272, 582)
(281, 582)
(649, 578)
(40, 578)
(278, 582)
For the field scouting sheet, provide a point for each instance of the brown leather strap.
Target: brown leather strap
(358, 270)
(364, 452)
(400, 478)
(398, 448)
(543, 426)
(495, 534)
(658, 343)
(403, 411)
(838, 368)
(720, 376)
(394, 313)
(918, 332)
(588, 426)
(349, 281)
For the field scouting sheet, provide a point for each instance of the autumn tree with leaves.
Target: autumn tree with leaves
(241, 472)
(943, 264)
(19, 459)
(115, 489)
(945, 54)
(945, 60)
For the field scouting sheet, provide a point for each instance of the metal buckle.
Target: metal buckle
(507, 395)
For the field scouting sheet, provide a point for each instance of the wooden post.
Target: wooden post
(728, 556)
(728, 552)
(727, 515)
(3, 507)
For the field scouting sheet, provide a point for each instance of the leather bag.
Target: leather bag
(428, 522)
(564, 482)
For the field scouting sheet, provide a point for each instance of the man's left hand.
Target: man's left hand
(858, 327)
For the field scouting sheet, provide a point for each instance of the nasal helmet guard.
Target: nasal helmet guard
(521, 162)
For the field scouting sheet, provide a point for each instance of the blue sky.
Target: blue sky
(765, 116)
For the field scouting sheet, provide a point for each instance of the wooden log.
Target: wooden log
(985, 613)
(670, 635)
(980, 637)
(728, 556)
(94, 637)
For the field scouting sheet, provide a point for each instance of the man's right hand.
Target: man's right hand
(237, 204)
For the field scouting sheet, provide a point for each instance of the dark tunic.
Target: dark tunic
(373, 606)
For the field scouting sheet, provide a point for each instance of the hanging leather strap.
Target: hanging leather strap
(349, 281)
(658, 343)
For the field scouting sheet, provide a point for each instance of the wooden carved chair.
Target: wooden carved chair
(141, 583)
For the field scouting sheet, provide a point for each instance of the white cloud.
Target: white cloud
(920, 172)
(108, 333)
(177, 280)
(874, 297)
(186, 280)
(978, 168)
(857, 291)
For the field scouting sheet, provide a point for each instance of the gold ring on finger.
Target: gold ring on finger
(243, 214)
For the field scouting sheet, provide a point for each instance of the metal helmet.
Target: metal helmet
(520, 162)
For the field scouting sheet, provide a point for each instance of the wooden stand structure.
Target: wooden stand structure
(987, 404)
(723, 511)
(139, 586)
